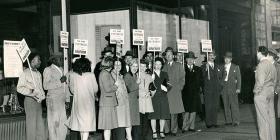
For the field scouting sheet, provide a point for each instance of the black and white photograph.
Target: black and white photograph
(139, 69)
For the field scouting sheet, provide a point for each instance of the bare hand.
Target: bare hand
(138, 81)
(153, 93)
(117, 83)
(238, 91)
(163, 88)
(153, 76)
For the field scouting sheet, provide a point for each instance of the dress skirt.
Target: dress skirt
(107, 118)
(123, 115)
(161, 106)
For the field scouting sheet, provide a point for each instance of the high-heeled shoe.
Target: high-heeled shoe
(162, 135)
(155, 136)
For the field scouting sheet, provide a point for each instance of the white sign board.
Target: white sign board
(23, 50)
(80, 46)
(116, 35)
(12, 62)
(138, 37)
(154, 44)
(64, 39)
(206, 45)
(183, 46)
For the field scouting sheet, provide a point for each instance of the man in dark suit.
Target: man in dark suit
(127, 60)
(191, 92)
(231, 83)
(212, 77)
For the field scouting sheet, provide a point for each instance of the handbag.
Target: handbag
(152, 86)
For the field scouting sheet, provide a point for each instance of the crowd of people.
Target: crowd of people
(135, 96)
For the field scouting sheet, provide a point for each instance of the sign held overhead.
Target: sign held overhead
(206, 45)
(23, 50)
(154, 44)
(183, 46)
(80, 46)
(64, 39)
(138, 37)
(116, 35)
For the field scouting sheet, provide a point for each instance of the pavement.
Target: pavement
(247, 130)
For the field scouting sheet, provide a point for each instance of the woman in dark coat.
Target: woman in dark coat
(159, 98)
(191, 92)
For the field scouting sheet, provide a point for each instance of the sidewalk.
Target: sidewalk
(247, 130)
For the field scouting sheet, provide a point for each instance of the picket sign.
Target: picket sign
(80, 47)
(183, 46)
(116, 35)
(154, 44)
(64, 39)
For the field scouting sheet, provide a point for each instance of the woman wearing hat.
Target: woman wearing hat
(191, 92)
(107, 119)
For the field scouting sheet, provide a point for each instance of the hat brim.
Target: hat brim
(227, 56)
(192, 57)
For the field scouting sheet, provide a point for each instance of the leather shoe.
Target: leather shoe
(184, 131)
(209, 126)
(235, 124)
(192, 130)
(173, 134)
(216, 126)
(228, 123)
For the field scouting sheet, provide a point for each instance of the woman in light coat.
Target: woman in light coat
(123, 110)
(83, 85)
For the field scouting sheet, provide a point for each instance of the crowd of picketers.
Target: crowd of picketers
(125, 97)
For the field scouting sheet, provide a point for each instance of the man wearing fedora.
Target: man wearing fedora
(176, 74)
(231, 87)
(191, 92)
(211, 88)
(127, 60)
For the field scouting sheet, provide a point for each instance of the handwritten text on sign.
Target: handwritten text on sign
(182, 46)
(138, 37)
(154, 44)
(116, 35)
(80, 47)
(64, 39)
(206, 45)
(12, 62)
(23, 50)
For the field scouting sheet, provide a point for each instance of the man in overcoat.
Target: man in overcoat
(191, 92)
(212, 88)
(176, 76)
(231, 83)
(264, 89)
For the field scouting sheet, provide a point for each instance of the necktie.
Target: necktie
(225, 73)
